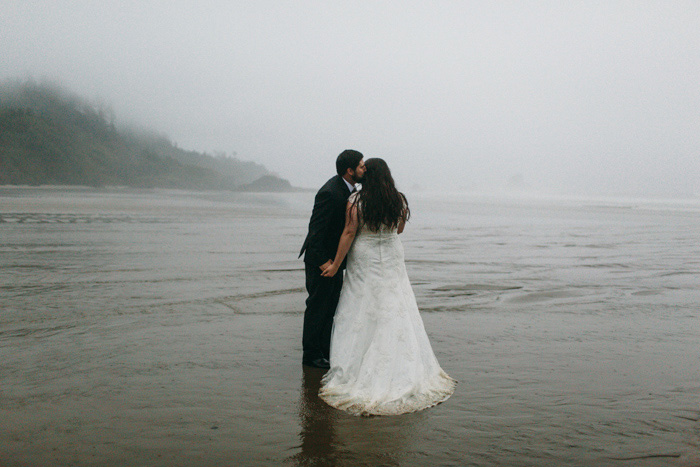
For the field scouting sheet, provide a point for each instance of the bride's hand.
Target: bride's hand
(330, 271)
(325, 265)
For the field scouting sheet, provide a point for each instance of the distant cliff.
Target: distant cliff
(269, 183)
(49, 136)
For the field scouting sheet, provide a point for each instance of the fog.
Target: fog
(576, 97)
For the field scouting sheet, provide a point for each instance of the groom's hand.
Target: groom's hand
(326, 265)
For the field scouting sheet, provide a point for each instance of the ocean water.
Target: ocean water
(163, 327)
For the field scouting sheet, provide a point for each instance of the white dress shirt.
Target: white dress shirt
(350, 185)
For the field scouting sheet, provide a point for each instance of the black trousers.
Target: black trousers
(320, 309)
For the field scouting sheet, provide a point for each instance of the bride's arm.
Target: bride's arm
(402, 225)
(404, 215)
(351, 223)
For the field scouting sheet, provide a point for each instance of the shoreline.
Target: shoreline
(114, 188)
(689, 199)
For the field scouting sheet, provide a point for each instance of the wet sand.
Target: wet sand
(163, 328)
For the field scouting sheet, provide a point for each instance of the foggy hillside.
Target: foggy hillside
(50, 136)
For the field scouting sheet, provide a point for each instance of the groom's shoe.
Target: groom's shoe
(318, 363)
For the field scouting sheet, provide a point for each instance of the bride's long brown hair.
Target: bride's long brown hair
(381, 204)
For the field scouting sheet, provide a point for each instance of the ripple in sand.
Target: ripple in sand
(475, 287)
(44, 218)
(535, 297)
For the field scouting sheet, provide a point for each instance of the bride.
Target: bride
(381, 359)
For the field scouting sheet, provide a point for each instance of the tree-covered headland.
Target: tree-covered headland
(49, 136)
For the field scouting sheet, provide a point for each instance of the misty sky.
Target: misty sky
(581, 97)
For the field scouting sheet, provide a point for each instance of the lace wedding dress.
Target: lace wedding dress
(381, 360)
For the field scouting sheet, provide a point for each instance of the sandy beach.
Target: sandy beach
(149, 328)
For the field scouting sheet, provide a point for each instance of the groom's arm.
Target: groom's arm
(318, 227)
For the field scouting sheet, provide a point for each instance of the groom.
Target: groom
(325, 227)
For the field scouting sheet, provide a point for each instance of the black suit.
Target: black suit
(325, 228)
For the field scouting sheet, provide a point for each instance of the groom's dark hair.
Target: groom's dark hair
(348, 159)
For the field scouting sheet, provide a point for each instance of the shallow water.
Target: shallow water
(163, 328)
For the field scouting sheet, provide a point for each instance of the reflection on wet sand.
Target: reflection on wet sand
(330, 437)
(317, 422)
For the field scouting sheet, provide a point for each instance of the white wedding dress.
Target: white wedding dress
(381, 359)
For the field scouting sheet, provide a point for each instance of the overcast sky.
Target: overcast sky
(570, 97)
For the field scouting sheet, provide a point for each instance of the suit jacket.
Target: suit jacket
(327, 222)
